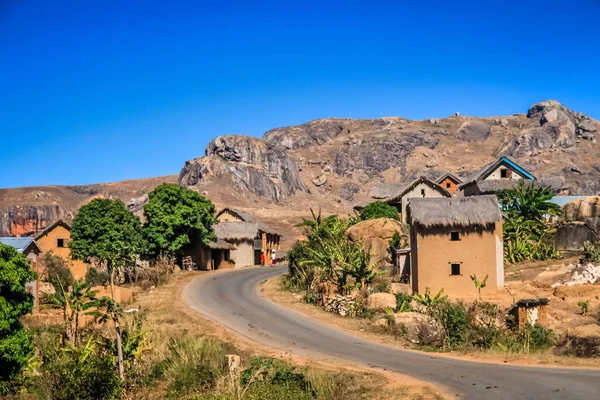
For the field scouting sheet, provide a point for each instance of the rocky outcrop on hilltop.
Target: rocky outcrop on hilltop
(374, 154)
(247, 164)
(306, 135)
(29, 220)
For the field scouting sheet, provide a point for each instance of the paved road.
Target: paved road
(232, 298)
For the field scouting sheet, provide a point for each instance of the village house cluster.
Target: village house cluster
(455, 227)
(455, 232)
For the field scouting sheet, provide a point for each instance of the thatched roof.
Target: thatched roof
(220, 244)
(247, 217)
(397, 197)
(385, 190)
(457, 211)
(236, 230)
(455, 178)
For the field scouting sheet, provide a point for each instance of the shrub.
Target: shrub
(270, 371)
(591, 253)
(584, 305)
(94, 277)
(82, 373)
(380, 286)
(455, 320)
(403, 302)
(427, 300)
(378, 209)
(57, 272)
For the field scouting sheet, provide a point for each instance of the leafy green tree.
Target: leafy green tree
(177, 218)
(378, 209)
(16, 347)
(107, 231)
(57, 271)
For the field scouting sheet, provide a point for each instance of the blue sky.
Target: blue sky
(112, 90)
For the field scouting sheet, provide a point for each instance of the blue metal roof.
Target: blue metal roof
(19, 243)
(519, 169)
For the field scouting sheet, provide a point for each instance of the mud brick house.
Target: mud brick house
(55, 239)
(250, 236)
(399, 195)
(499, 175)
(449, 182)
(453, 238)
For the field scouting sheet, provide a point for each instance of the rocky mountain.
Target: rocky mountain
(27, 211)
(331, 164)
(248, 165)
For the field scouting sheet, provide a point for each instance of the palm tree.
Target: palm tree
(80, 298)
(531, 202)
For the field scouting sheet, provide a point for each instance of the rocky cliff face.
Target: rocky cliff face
(29, 220)
(247, 164)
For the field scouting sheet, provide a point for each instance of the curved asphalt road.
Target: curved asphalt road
(232, 298)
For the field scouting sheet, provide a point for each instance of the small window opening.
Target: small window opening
(448, 185)
(454, 236)
(503, 173)
(60, 242)
(455, 269)
(423, 192)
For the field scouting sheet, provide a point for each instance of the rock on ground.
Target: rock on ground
(400, 288)
(420, 328)
(380, 301)
(573, 235)
(375, 234)
(472, 131)
(348, 190)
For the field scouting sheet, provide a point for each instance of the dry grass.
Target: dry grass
(168, 319)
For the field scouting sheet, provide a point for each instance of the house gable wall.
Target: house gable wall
(431, 190)
(496, 174)
(477, 252)
(49, 243)
(449, 184)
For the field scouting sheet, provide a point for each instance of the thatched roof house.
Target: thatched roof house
(454, 212)
(399, 195)
(250, 236)
(454, 238)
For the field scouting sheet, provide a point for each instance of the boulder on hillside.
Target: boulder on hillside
(582, 209)
(380, 301)
(572, 236)
(248, 164)
(375, 235)
(313, 133)
(473, 131)
(320, 180)
(420, 328)
(348, 190)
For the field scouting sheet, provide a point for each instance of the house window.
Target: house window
(448, 184)
(454, 236)
(503, 173)
(60, 242)
(455, 269)
(423, 192)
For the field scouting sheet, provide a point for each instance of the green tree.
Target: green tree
(378, 209)
(16, 347)
(107, 231)
(177, 218)
(57, 271)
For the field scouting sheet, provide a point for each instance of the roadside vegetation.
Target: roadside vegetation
(101, 349)
(528, 230)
